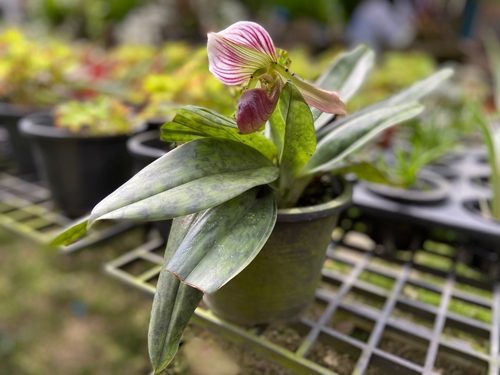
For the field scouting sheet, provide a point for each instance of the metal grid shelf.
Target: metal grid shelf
(413, 312)
(26, 208)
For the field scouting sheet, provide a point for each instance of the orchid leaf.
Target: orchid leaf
(192, 122)
(345, 76)
(207, 249)
(413, 93)
(195, 176)
(297, 129)
(71, 234)
(223, 240)
(355, 131)
(173, 305)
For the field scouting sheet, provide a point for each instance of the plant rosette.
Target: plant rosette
(234, 180)
(81, 151)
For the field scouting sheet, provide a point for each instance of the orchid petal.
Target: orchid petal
(254, 109)
(236, 52)
(325, 101)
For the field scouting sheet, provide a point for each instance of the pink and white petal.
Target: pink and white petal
(251, 35)
(232, 63)
(236, 52)
(325, 101)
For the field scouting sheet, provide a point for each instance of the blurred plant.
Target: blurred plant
(131, 62)
(99, 116)
(174, 55)
(427, 140)
(308, 66)
(448, 121)
(34, 73)
(84, 18)
(437, 131)
(323, 11)
(188, 83)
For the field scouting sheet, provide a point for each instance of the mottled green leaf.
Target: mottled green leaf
(71, 234)
(223, 240)
(195, 176)
(173, 305)
(345, 76)
(353, 132)
(294, 120)
(192, 122)
(411, 94)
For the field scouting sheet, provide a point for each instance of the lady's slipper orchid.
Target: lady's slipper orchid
(245, 53)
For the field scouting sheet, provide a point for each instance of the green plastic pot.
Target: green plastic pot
(281, 281)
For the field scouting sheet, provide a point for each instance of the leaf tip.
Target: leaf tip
(70, 234)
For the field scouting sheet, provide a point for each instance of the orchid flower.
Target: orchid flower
(244, 53)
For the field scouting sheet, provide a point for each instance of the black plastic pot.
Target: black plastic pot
(20, 147)
(281, 281)
(79, 170)
(146, 148)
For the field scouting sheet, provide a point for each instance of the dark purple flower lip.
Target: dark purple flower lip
(254, 109)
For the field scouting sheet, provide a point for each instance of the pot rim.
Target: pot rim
(436, 195)
(334, 206)
(31, 126)
(136, 145)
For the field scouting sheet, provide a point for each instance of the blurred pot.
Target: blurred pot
(80, 170)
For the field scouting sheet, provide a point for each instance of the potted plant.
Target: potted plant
(81, 150)
(33, 76)
(245, 232)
